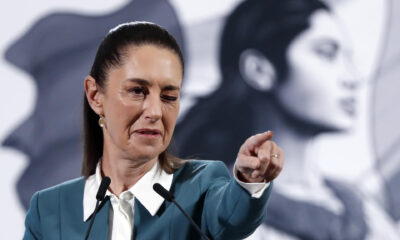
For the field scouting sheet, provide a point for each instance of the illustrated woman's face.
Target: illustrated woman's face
(320, 86)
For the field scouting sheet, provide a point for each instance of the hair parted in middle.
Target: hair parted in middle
(110, 54)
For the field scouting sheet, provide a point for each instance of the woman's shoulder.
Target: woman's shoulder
(67, 187)
(49, 206)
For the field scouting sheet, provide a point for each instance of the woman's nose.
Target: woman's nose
(350, 83)
(152, 108)
(351, 78)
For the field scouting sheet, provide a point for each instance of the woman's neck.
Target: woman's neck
(124, 172)
(295, 139)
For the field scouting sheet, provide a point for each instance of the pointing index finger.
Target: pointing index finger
(259, 139)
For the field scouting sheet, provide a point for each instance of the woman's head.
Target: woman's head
(290, 52)
(319, 87)
(134, 85)
(266, 25)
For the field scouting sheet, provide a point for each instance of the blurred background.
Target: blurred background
(347, 158)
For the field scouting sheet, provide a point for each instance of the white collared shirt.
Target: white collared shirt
(122, 209)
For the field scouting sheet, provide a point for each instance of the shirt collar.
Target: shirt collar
(142, 190)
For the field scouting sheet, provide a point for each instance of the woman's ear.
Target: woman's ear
(94, 95)
(257, 70)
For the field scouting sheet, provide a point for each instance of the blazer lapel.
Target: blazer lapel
(71, 221)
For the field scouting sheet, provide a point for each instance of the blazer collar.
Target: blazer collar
(142, 190)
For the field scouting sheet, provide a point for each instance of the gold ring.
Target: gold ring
(274, 155)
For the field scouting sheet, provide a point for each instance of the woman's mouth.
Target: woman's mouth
(147, 132)
(348, 105)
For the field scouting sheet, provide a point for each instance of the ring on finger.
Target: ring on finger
(274, 156)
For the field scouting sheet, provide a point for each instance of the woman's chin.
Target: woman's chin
(339, 126)
(146, 153)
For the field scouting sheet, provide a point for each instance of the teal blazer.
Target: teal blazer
(221, 207)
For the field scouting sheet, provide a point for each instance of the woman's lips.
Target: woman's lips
(147, 132)
(348, 105)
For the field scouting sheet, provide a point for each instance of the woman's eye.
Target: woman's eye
(326, 53)
(328, 50)
(168, 98)
(138, 90)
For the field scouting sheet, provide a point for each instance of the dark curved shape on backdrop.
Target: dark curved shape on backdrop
(57, 51)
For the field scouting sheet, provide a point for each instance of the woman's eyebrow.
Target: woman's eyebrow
(170, 88)
(144, 82)
(140, 81)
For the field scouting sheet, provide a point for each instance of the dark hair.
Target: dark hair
(266, 25)
(110, 54)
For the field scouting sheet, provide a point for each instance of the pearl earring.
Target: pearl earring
(101, 121)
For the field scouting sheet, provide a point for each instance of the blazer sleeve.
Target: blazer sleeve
(229, 210)
(32, 220)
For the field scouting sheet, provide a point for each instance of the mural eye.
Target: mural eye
(327, 50)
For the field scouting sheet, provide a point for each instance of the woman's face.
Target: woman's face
(141, 102)
(319, 88)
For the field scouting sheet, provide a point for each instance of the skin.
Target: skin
(259, 159)
(320, 76)
(140, 105)
(320, 90)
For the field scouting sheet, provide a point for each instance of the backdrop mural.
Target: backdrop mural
(322, 75)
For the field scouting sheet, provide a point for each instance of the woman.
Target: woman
(56, 52)
(285, 67)
(130, 111)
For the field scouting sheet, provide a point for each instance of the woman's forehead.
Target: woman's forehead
(150, 63)
(325, 25)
